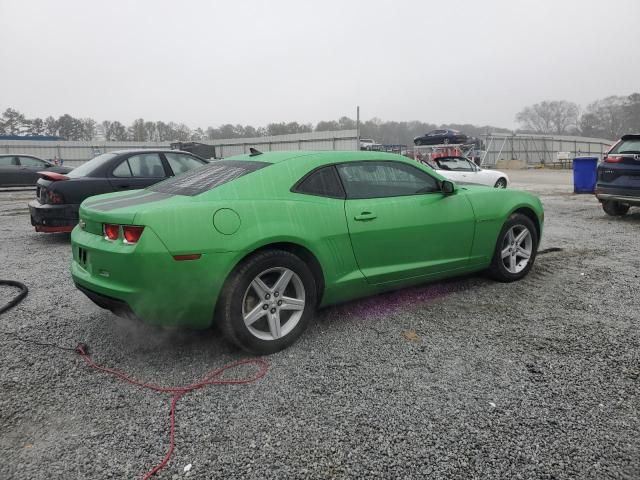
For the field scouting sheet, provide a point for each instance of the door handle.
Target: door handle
(365, 216)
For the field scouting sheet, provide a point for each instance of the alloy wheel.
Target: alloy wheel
(273, 303)
(517, 247)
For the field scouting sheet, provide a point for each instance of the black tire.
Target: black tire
(615, 209)
(233, 297)
(498, 270)
(501, 183)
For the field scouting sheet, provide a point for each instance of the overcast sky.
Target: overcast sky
(253, 62)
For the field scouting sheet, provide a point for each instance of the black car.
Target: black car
(59, 196)
(17, 170)
(200, 149)
(439, 137)
(618, 185)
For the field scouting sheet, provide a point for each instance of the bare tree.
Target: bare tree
(632, 112)
(555, 116)
(114, 131)
(604, 118)
(152, 131)
(137, 131)
(88, 128)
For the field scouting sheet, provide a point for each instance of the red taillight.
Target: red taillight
(55, 198)
(613, 159)
(112, 232)
(132, 233)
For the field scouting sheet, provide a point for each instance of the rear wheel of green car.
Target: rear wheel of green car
(515, 249)
(267, 302)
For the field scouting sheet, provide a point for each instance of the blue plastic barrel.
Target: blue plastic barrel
(585, 174)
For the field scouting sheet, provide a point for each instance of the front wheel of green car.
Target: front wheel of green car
(267, 302)
(515, 249)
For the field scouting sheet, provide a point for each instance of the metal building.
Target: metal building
(74, 153)
(540, 149)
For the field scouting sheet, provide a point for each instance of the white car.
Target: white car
(460, 169)
(369, 144)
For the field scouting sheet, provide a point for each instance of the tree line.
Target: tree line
(609, 118)
(12, 122)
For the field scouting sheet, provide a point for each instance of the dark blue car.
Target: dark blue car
(618, 186)
(441, 137)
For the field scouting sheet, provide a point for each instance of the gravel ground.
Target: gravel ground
(461, 379)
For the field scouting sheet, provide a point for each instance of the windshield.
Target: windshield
(452, 163)
(627, 146)
(86, 168)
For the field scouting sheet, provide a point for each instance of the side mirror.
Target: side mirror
(448, 187)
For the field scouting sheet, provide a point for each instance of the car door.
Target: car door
(486, 177)
(9, 171)
(138, 171)
(29, 168)
(401, 224)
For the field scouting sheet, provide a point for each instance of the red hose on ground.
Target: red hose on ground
(212, 378)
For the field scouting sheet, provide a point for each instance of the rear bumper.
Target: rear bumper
(630, 196)
(118, 307)
(53, 218)
(144, 281)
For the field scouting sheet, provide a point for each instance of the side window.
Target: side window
(146, 165)
(385, 179)
(180, 163)
(122, 170)
(323, 183)
(31, 162)
(6, 161)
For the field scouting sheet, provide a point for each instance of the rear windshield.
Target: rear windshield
(88, 167)
(207, 177)
(627, 146)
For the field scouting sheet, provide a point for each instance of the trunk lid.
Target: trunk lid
(122, 208)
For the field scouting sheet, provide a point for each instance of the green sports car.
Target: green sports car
(259, 241)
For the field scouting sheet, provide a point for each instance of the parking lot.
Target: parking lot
(466, 378)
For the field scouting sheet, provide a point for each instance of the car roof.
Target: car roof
(320, 157)
(20, 155)
(147, 150)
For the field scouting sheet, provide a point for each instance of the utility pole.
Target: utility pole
(358, 126)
